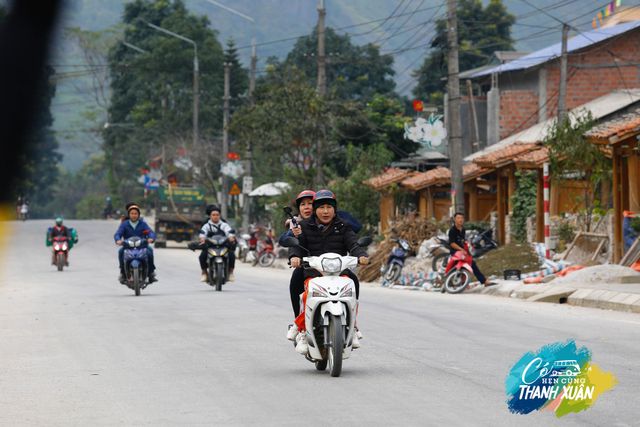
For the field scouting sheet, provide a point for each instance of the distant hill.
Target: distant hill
(286, 19)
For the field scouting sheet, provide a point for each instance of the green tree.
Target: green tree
(152, 99)
(238, 76)
(524, 203)
(573, 157)
(481, 31)
(353, 72)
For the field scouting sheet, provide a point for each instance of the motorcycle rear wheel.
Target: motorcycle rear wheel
(336, 346)
(440, 260)
(267, 259)
(457, 281)
(60, 261)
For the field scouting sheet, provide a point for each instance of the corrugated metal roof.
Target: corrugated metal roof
(599, 107)
(578, 42)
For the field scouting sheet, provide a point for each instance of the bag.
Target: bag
(47, 240)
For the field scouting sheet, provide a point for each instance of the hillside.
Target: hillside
(287, 19)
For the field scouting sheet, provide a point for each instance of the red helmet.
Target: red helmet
(305, 194)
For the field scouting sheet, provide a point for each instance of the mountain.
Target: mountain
(406, 34)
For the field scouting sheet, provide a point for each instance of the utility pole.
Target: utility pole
(562, 91)
(225, 135)
(196, 101)
(322, 88)
(455, 138)
(246, 208)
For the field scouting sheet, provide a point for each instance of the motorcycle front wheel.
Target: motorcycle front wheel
(440, 261)
(136, 281)
(393, 273)
(336, 346)
(219, 276)
(457, 281)
(60, 261)
(267, 259)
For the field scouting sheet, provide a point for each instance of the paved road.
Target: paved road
(77, 348)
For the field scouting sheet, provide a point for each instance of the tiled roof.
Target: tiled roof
(503, 156)
(426, 179)
(617, 129)
(441, 175)
(388, 177)
(533, 159)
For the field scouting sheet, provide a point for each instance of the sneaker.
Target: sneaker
(302, 347)
(122, 279)
(487, 284)
(292, 333)
(204, 278)
(231, 278)
(152, 277)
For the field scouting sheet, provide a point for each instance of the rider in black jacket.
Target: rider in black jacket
(326, 232)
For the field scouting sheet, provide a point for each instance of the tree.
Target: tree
(238, 76)
(353, 72)
(573, 157)
(481, 31)
(152, 101)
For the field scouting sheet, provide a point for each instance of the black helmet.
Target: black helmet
(211, 208)
(324, 197)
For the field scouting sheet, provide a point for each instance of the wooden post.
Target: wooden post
(387, 209)
(634, 182)
(430, 205)
(473, 201)
(502, 194)
(540, 208)
(617, 207)
(511, 176)
(422, 203)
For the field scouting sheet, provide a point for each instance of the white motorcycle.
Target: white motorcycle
(330, 310)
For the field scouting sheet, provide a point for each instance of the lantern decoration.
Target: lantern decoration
(418, 105)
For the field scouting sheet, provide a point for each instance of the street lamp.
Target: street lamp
(196, 98)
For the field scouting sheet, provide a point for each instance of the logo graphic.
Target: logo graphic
(559, 378)
(429, 132)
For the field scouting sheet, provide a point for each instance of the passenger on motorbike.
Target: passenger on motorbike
(324, 232)
(59, 230)
(216, 226)
(135, 226)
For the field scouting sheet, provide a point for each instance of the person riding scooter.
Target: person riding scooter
(60, 230)
(134, 226)
(324, 232)
(216, 226)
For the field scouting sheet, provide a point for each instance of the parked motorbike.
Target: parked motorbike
(136, 263)
(24, 212)
(482, 242)
(330, 308)
(243, 247)
(60, 251)
(217, 259)
(393, 268)
(265, 255)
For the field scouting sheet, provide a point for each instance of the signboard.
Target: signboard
(235, 190)
(247, 184)
(181, 194)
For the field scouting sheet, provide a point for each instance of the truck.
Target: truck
(180, 213)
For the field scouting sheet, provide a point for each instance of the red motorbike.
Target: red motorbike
(60, 252)
(458, 272)
(266, 256)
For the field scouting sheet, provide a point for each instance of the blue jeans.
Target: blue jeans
(152, 266)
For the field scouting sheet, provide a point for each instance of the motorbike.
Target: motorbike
(391, 270)
(458, 272)
(243, 247)
(60, 251)
(330, 308)
(265, 255)
(217, 259)
(481, 243)
(136, 263)
(24, 212)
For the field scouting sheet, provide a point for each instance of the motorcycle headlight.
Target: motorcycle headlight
(224, 251)
(318, 292)
(332, 265)
(346, 292)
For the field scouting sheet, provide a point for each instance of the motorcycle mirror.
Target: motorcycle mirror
(365, 241)
(290, 242)
(287, 210)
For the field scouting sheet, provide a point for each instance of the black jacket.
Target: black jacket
(337, 237)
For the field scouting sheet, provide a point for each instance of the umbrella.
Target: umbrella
(271, 189)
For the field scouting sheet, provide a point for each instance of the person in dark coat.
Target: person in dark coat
(325, 232)
(135, 226)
